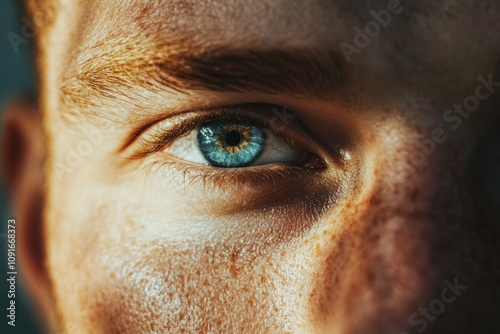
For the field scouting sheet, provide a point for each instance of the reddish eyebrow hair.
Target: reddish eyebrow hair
(112, 72)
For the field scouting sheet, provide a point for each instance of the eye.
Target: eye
(233, 143)
(230, 137)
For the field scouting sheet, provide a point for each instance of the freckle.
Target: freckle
(318, 250)
(234, 271)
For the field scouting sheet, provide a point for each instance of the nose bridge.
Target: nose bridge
(404, 241)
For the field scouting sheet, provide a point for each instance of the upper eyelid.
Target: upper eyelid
(144, 128)
(166, 136)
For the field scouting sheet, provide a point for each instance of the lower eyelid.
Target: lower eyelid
(223, 191)
(254, 177)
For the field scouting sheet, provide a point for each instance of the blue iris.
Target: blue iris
(227, 143)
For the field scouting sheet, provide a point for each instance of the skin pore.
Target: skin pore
(139, 240)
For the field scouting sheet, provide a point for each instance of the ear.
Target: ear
(22, 164)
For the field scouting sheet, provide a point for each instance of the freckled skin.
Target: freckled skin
(134, 250)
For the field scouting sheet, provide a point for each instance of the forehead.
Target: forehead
(430, 47)
(272, 21)
(424, 34)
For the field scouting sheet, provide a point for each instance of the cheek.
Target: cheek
(119, 277)
(165, 291)
(174, 288)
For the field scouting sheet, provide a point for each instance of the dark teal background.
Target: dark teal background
(16, 76)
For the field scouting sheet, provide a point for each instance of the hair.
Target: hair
(42, 14)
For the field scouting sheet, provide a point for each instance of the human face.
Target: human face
(372, 212)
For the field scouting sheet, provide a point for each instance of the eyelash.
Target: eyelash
(253, 176)
(163, 138)
(243, 177)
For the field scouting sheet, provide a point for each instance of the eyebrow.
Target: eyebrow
(114, 73)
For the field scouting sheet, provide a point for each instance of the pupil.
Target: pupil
(233, 138)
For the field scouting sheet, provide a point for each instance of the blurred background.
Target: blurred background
(16, 76)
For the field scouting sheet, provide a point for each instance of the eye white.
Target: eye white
(276, 150)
